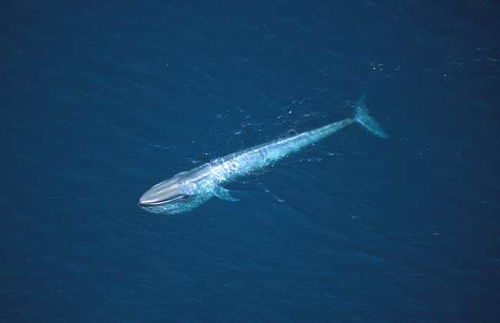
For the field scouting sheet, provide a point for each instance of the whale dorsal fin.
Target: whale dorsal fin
(224, 194)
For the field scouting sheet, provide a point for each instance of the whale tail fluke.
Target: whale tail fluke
(362, 117)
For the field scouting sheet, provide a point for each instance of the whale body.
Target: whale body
(186, 191)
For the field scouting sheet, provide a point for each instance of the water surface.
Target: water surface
(101, 100)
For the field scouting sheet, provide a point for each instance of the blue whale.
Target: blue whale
(186, 191)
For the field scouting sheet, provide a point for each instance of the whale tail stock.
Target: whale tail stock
(362, 117)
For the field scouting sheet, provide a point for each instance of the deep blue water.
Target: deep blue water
(99, 101)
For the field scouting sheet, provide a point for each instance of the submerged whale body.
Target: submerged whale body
(186, 191)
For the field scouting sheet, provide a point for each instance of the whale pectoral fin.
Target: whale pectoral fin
(224, 194)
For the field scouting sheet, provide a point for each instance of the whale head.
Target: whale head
(181, 193)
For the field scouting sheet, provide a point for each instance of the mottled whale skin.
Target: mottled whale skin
(186, 191)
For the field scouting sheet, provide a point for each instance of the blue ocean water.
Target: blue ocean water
(100, 100)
